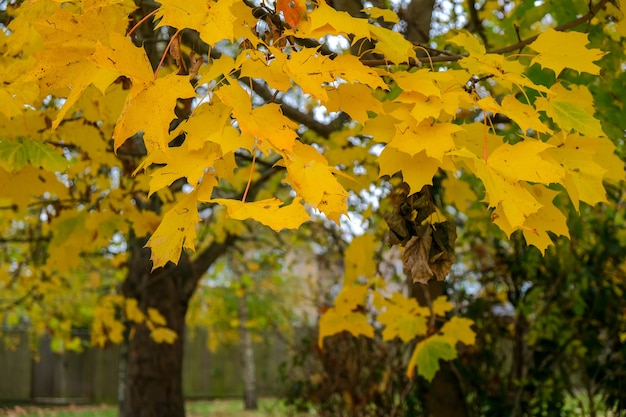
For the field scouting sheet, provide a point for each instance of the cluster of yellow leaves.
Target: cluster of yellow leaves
(83, 45)
(80, 51)
(108, 326)
(360, 308)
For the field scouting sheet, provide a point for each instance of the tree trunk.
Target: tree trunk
(154, 370)
(247, 356)
(444, 395)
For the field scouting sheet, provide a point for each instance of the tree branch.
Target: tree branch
(500, 51)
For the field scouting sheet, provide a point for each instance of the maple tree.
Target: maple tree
(279, 113)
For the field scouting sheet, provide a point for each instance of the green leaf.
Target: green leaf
(427, 354)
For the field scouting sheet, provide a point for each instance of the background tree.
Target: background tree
(306, 107)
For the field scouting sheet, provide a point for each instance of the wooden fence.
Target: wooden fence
(91, 376)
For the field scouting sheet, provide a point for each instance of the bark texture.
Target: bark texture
(154, 370)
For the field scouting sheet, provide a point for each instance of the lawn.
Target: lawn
(217, 408)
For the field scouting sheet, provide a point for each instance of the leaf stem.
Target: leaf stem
(146, 17)
(156, 73)
(245, 193)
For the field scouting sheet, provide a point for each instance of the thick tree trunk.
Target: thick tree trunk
(154, 370)
(247, 356)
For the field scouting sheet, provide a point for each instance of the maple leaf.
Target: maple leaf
(583, 176)
(433, 138)
(132, 311)
(528, 160)
(15, 154)
(458, 329)
(312, 178)
(427, 354)
(441, 306)
(576, 56)
(357, 259)
(159, 95)
(268, 212)
(325, 20)
(403, 318)
(163, 335)
(293, 11)
(176, 231)
(547, 219)
(392, 44)
(571, 109)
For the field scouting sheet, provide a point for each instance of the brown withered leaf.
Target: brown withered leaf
(415, 259)
(176, 53)
(195, 63)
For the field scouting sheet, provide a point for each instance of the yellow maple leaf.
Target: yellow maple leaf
(524, 115)
(163, 335)
(469, 42)
(553, 54)
(571, 109)
(354, 99)
(160, 96)
(508, 196)
(442, 305)
(132, 311)
(358, 259)
(583, 176)
(433, 138)
(311, 177)
(527, 160)
(156, 317)
(269, 212)
(392, 45)
(177, 230)
(324, 20)
(458, 329)
(547, 219)
(417, 170)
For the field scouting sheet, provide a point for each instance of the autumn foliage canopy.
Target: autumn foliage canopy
(332, 104)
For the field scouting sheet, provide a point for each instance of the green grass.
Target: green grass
(217, 408)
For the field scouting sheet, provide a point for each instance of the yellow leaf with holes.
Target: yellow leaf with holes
(160, 96)
(559, 50)
(271, 212)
